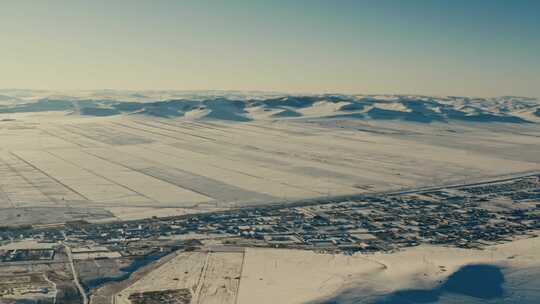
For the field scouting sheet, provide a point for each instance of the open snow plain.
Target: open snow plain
(135, 165)
(413, 275)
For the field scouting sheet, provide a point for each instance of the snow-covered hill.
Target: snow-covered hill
(247, 106)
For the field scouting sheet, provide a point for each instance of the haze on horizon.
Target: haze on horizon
(477, 48)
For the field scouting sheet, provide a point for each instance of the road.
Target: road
(54, 287)
(75, 275)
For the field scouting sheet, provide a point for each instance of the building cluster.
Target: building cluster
(467, 216)
(21, 255)
(178, 296)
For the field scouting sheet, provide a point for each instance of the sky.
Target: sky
(452, 47)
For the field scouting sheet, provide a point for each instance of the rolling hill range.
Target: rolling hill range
(249, 106)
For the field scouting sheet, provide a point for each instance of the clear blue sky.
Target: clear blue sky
(453, 47)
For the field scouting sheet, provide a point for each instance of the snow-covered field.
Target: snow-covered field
(78, 163)
(289, 276)
(210, 277)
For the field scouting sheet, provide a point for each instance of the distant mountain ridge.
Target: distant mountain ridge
(240, 107)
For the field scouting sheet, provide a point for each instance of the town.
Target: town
(468, 216)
